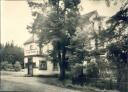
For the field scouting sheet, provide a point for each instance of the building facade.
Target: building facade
(93, 25)
(36, 60)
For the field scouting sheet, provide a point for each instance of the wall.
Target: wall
(36, 70)
(31, 49)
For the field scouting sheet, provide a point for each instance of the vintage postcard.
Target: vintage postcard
(63, 45)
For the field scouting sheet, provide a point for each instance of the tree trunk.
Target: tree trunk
(97, 57)
(62, 71)
(62, 63)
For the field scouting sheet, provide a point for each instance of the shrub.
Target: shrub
(10, 67)
(17, 66)
(92, 72)
(4, 65)
(77, 74)
(104, 84)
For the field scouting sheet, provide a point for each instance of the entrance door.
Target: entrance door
(30, 66)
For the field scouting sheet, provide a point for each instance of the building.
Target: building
(39, 56)
(93, 24)
(36, 59)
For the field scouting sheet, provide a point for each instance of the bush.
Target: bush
(92, 72)
(77, 75)
(6, 66)
(17, 66)
(104, 84)
(10, 67)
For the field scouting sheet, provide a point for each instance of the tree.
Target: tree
(116, 34)
(11, 53)
(58, 27)
(118, 53)
(112, 2)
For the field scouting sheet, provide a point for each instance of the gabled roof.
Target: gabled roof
(85, 19)
(88, 15)
(30, 40)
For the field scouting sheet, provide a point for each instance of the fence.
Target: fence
(110, 82)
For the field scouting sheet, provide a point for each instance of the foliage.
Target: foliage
(92, 72)
(11, 53)
(104, 84)
(117, 50)
(78, 47)
(109, 3)
(17, 66)
(59, 27)
(118, 54)
(117, 25)
(77, 74)
(6, 66)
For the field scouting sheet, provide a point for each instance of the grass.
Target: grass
(53, 80)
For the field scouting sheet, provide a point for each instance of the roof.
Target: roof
(30, 40)
(85, 19)
(87, 15)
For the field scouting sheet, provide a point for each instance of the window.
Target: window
(34, 65)
(55, 67)
(30, 59)
(43, 65)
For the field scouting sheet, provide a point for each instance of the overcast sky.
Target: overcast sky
(16, 15)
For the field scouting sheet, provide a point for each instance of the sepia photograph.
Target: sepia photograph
(63, 45)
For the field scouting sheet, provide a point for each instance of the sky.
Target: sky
(16, 15)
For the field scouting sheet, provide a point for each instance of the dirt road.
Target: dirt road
(12, 81)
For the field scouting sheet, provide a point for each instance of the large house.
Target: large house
(36, 60)
(93, 24)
